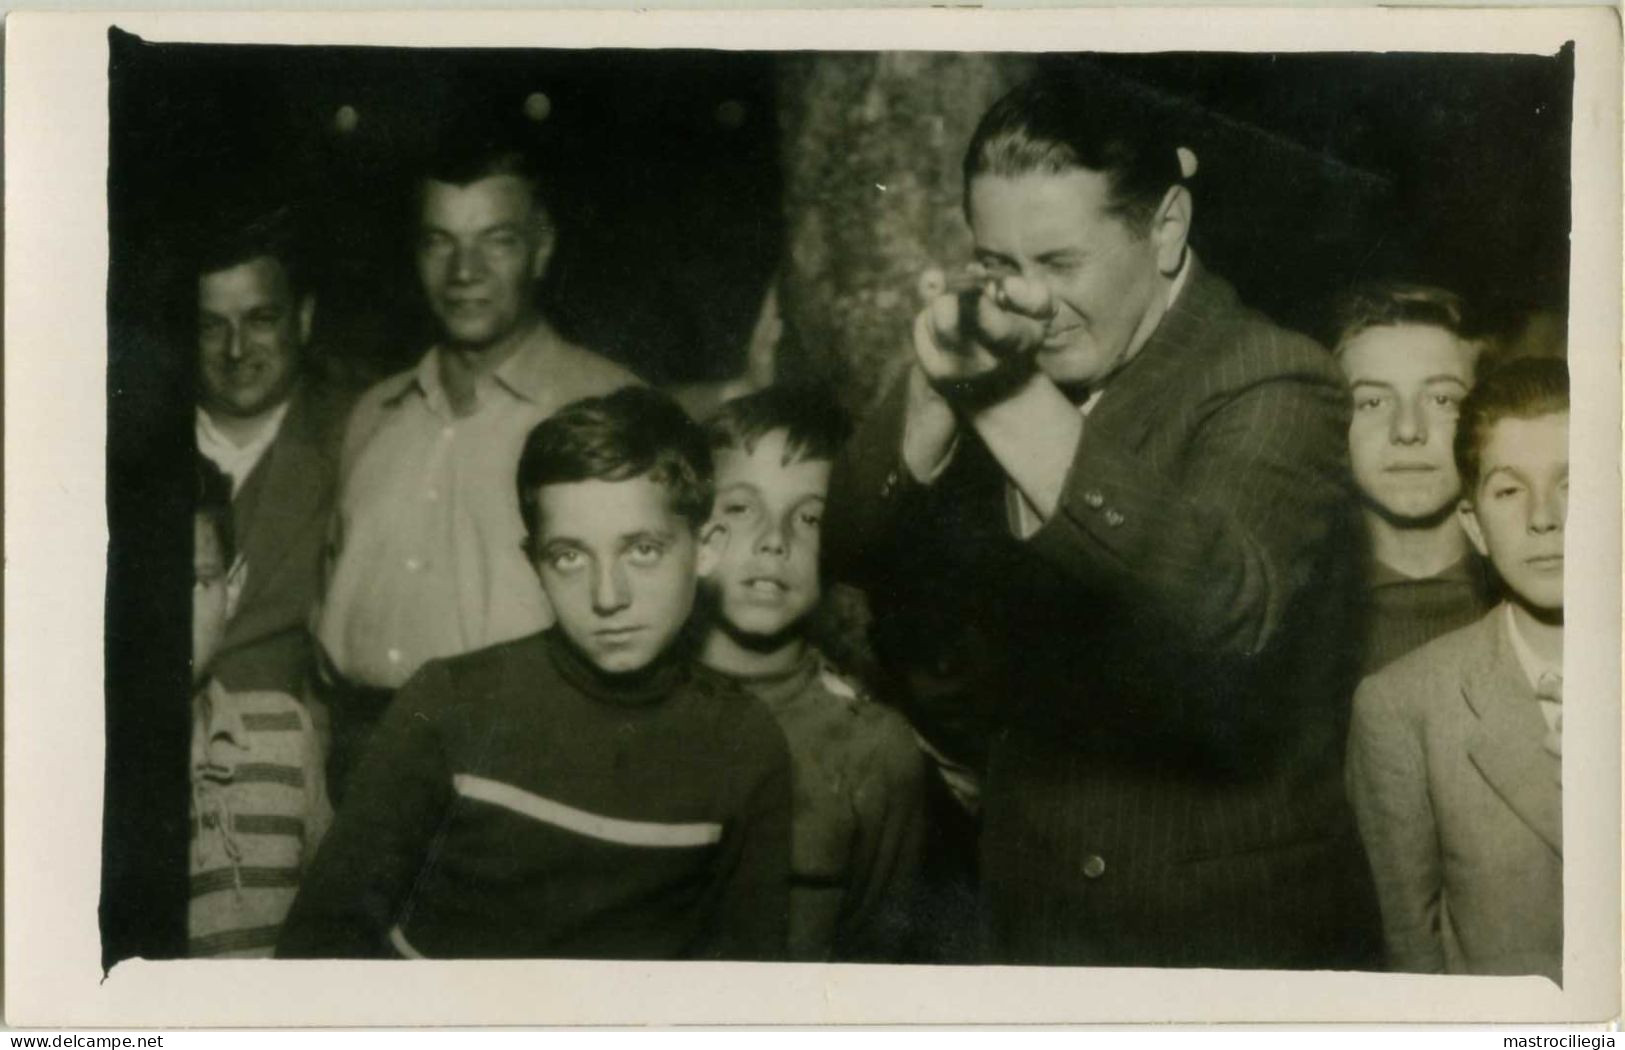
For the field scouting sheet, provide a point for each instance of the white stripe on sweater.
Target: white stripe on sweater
(608, 829)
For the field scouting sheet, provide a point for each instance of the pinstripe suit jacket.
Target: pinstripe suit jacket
(1162, 671)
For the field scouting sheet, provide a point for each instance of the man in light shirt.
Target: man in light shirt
(271, 427)
(427, 558)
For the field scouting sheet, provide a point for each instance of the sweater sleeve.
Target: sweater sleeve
(753, 893)
(889, 802)
(396, 803)
(1387, 785)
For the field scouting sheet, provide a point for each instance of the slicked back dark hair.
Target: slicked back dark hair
(466, 157)
(634, 432)
(211, 499)
(1062, 122)
(1380, 303)
(1523, 388)
(233, 241)
(815, 425)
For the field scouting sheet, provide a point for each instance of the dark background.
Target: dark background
(1316, 170)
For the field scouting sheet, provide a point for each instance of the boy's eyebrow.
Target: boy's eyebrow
(1371, 382)
(1446, 378)
(628, 538)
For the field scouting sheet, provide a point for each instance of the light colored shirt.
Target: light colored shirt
(1535, 667)
(236, 461)
(428, 558)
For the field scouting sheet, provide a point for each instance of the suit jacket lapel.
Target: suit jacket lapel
(1200, 315)
(1506, 744)
(284, 492)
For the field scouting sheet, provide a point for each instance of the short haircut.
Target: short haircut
(1060, 123)
(815, 426)
(1381, 303)
(466, 157)
(211, 499)
(1524, 388)
(634, 432)
(231, 242)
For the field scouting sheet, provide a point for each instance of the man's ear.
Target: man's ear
(546, 241)
(1171, 228)
(1469, 524)
(307, 314)
(713, 542)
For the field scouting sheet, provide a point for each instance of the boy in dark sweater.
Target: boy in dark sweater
(858, 825)
(585, 792)
(1409, 363)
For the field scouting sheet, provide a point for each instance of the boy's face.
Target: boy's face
(1515, 516)
(208, 594)
(618, 565)
(1407, 383)
(766, 525)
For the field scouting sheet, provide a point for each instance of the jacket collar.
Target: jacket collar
(1198, 316)
(1505, 746)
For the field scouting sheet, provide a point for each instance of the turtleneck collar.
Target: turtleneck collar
(633, 689)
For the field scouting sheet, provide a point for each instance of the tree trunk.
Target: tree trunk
(872, 144)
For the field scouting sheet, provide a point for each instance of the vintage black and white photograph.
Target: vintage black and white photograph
(950, 507)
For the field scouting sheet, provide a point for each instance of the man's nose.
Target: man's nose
(236, 349)
(467, 264)
(1550, 510)
(610, 593)
(1409, 426)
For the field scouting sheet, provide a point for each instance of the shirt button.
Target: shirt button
(447, 432)
(413, 565)
(1094, 499)
(433, 495)
(1094, 866)
(1113, 518)
(394, 656)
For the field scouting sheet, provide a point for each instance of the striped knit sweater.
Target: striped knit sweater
(517, 803)
(259, 809)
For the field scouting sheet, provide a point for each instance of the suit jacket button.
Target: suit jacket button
(1113, 518)
(1094, 499)
(887, 486)
(1094, 866)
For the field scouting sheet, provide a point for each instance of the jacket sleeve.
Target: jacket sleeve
(870, 490)
(393, 810)
(1217, 552)
(1387, 785)
(753, 892)
(888, 849)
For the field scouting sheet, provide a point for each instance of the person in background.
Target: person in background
(1455, 757)
(427, 555)
(1114, 502)
(267, 422)
(587, 792)
(1408, 366)
(858, 822)
(259, 805)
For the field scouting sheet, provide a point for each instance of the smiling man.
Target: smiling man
(1106, 522)
(1409, 366)
(271, 427)
(427, 558)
